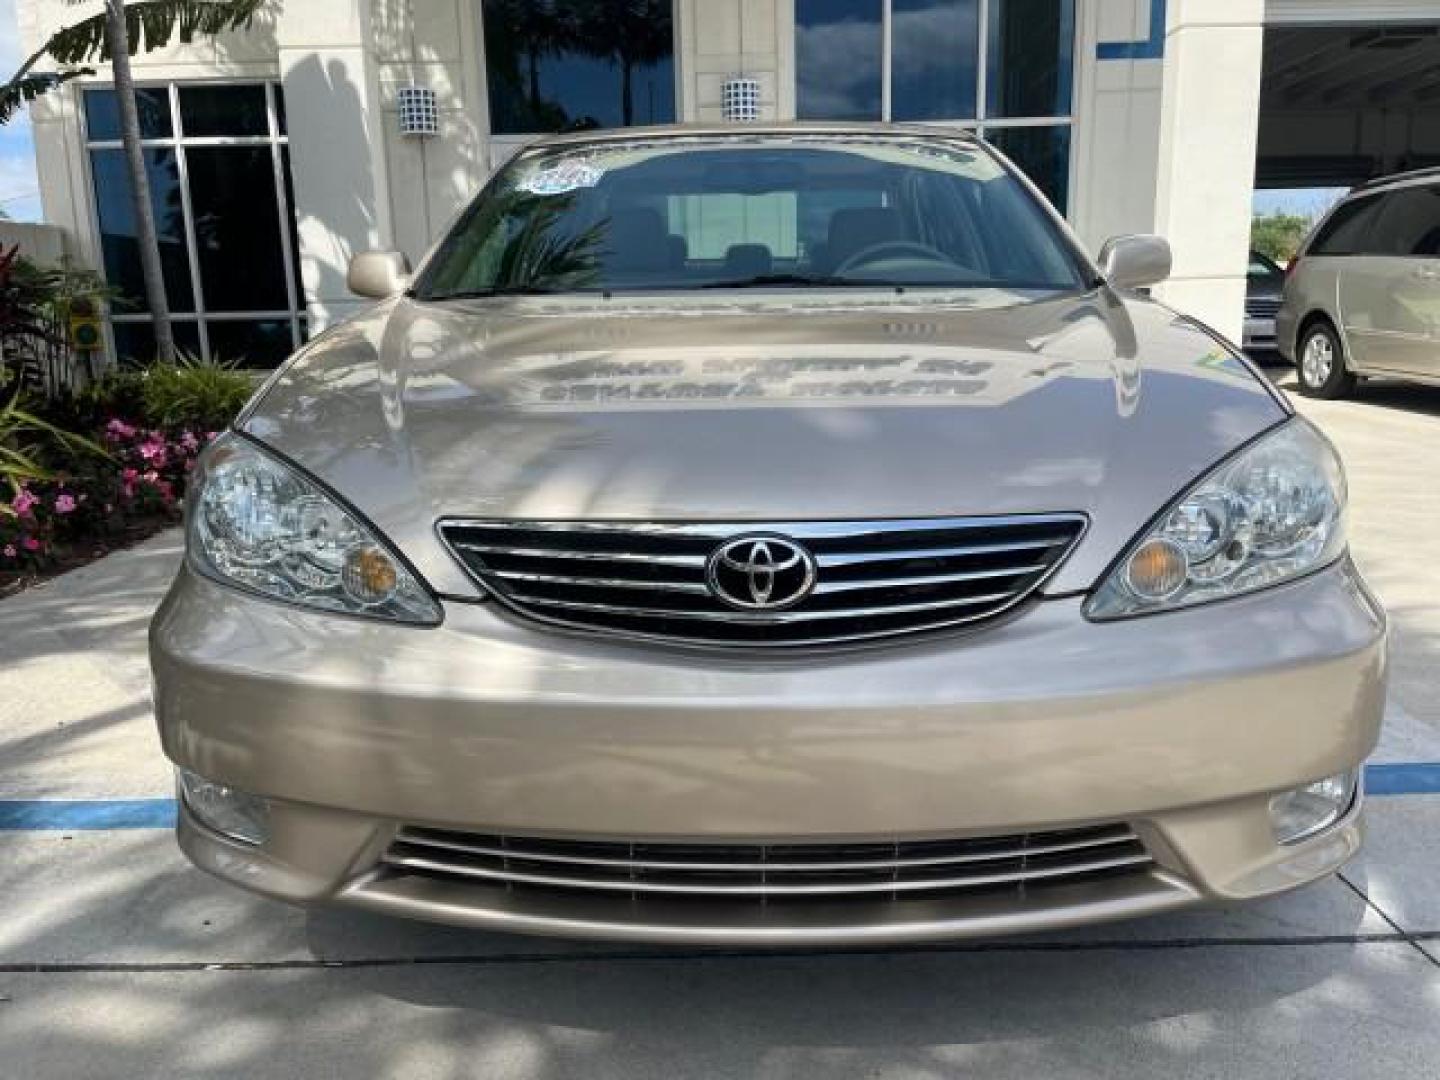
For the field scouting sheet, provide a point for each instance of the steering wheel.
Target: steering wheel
(891, 248)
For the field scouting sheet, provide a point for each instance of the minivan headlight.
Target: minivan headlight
(1272, 512)
(260, 525)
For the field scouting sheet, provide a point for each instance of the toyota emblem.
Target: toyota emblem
(761, 573)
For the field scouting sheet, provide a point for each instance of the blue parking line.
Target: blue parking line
(75, 815)
(104, 815)
(1403, 778)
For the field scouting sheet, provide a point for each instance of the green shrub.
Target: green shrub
(194, 394)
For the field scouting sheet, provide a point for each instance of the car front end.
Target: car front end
(792, 616)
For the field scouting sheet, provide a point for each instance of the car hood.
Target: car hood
(779, 407)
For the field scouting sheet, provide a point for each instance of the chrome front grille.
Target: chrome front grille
(1262, 307)
(871, 579)
(766, 872)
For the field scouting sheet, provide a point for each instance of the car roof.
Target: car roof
(775, 128)
(1397, 180)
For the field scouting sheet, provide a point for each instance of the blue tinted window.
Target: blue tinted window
(838, 45)
(237, 228)
(1031, 49)
(934, 49)
(223, 110)
(553, 64)
(1043, 154)
(257, 343)
(118, 242)
(135, 341)
(102, 113)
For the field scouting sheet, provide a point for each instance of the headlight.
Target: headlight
(257, 524)
(1272, 512)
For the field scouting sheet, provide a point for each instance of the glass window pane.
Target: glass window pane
(553, 64)
(135, 341)
(1349, 229)
(1043, 154)
(118, 243)
(1409, 223)
(935, 48)
(237, 228)
(102, 113)
(280, 110)
(924, 211)
(223, 110)
(250, 344)
(837, 59)
(1031, 57)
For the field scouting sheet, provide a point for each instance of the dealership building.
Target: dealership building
(337, 126)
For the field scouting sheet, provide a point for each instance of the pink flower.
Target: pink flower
(30, 544)
(119, 429)
(130, 475)
(189, 442)
(10, 551)
(153, 452)
(22, 502)
(65, 503)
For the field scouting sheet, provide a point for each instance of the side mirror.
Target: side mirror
(1132, 262)
(378, 274)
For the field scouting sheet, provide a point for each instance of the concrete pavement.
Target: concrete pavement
(118, 960)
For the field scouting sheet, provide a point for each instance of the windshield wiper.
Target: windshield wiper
(495, 290)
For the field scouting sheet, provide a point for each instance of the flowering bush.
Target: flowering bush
(142, 479)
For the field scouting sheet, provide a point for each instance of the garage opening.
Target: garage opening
(1340, 105)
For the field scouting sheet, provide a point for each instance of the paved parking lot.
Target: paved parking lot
(118, 960)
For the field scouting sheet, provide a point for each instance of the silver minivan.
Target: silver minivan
(1362, 298)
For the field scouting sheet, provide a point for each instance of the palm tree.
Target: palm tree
(115, 35)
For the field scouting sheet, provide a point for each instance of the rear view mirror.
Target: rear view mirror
(1132, 262)
(378, 274)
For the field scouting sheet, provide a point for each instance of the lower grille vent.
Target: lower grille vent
(766, 872)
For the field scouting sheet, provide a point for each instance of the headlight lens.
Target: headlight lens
(258, 524)
(1271, 513)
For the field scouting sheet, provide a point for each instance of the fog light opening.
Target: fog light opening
(224, 810)
(1310, 810)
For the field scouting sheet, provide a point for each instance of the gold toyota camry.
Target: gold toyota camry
(768, 535)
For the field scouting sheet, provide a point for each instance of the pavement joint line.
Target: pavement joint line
(1373, 906)
(691, 955)
(1382, 780)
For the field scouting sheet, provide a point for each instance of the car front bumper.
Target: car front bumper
(1181, 726)
(1260, 334)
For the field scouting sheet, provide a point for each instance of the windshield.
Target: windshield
(762, 211)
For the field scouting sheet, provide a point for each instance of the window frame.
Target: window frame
(278, 143)
(982, 123)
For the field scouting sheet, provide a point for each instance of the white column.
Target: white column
(1210, 112)
(337, 151)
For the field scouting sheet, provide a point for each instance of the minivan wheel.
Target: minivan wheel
(1320, 361)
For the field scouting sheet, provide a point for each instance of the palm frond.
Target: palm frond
(152, 24)
(25, 88)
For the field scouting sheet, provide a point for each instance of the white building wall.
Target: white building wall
(1209, 124)
(1117, 124)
